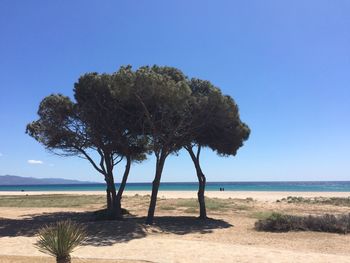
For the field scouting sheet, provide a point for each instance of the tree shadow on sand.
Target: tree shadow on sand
(105, 233)
(182, 225)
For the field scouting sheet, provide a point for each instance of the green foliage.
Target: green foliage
(98, 120)
(161, 96)
(283, 223)
(131, 113)
(215, 119)
(55, 127)
(60, 239)
(103, 103)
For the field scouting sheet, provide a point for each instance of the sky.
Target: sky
(286, 64)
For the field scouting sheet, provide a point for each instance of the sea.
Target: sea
(322, 186)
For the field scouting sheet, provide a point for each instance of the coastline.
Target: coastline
(258, 195)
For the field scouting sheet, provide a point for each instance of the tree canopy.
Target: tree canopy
(95, 125)
(215, 124)
(131, 113)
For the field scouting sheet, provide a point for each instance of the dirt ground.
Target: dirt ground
(177, 235)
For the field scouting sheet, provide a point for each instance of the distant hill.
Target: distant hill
(19, 180)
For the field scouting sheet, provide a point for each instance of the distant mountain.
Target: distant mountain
(19, 180)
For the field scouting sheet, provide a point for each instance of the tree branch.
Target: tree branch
(199, 151)
(91, 161)
(102, 160)
(115, 161)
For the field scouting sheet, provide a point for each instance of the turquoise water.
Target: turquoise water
(335, 186)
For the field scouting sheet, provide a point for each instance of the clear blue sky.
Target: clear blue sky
(286, 63)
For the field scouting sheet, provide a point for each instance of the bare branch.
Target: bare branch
(116, 161)
(198, 151)
(91, 161)
(102, 160)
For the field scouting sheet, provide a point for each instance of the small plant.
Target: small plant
(60, 239)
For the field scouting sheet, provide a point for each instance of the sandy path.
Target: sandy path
(258, 195)
(46, 259)
(167, 250)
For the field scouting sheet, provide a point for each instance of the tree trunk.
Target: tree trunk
(201, 182)
(108, 196)
(122, 185)
(112, 209)
(66, 259)
(155, 187)
(201, 198)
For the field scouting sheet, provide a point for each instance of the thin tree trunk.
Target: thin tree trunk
(117, 213)
(123, 184)
(112, 210)
(201, 182)
(66, 259)
(108, 195)
(109, 201)
(155, 187)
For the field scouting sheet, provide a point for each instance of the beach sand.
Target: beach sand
(177, 235)
(258, 195)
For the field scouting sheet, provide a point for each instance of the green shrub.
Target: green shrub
(60, 239)
(283, 223)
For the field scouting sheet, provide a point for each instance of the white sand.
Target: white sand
(258, 195)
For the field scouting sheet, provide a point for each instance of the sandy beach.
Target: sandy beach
(257, 195)
(177, 236)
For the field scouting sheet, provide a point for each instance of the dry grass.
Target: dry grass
(336, 201)
(56, 200)
(216, 205)
(176, 222)
(277, 222)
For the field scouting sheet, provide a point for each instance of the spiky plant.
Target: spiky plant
(60, 239)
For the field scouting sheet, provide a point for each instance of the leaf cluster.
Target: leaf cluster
(61, 238)
(215, 119)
